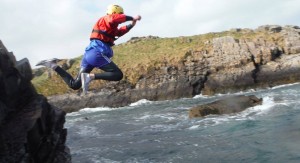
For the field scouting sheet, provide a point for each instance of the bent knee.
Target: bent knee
(75, 85)
(119, 76)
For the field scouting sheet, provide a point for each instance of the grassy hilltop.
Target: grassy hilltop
(141, 55)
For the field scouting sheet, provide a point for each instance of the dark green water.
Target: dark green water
(162, 132)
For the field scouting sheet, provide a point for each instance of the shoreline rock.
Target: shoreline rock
(228, 105)
(231, 65)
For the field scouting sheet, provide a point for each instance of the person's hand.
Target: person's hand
(137, 18)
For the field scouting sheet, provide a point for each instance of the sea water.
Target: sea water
(160, 131)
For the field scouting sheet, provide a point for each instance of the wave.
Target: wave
(201, 96)
(284, 85)
(101, 109)
(176, 119)
(140, 102)
(89, 110)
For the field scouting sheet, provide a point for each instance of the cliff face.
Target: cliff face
(31, 130)
(232, 65)
(268, 56)
(250, 63)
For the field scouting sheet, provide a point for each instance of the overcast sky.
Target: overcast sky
(40, 29)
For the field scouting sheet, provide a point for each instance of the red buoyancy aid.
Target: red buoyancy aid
(106, 29)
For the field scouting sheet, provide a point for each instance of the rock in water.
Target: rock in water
(31, 130)
(227, 105)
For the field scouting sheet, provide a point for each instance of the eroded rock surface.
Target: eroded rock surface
(268, 56)
(31, 130)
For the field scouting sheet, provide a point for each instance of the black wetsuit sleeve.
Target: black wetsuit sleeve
(129, 18)
(129, 26)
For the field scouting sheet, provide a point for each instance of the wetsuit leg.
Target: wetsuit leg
(112, 72)
(69, 80)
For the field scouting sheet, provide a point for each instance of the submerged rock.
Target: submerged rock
(31, 130)
(227, 105)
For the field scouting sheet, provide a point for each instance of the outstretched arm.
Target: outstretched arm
(125, 29)
(136, 18)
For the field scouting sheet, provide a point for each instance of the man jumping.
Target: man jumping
(98, 53)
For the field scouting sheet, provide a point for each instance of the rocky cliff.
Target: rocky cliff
(240, 64)
(243, 59)
(31, 130)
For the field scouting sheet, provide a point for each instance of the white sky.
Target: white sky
(40, 29)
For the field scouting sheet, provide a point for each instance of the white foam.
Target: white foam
(201, 96)
(100, 109)
(267, 104)
(88, 131)
(89, 110)
(140, 102)
(167, 116)
(284, 85)
(194, 127)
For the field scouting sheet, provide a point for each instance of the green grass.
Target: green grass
(138, 58)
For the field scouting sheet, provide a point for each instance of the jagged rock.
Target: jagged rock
(226, 64)
(137, 39)
(242, 64)
(31, 130)
(227, 105)
(291, 39)
(270, 28)
(282, 71)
